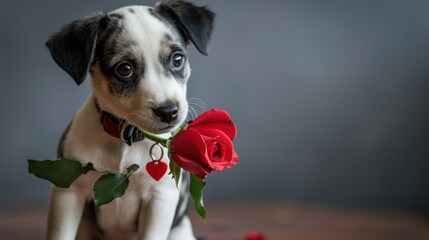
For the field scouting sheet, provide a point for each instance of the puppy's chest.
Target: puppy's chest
(121, 215)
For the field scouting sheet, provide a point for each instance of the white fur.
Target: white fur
(149, 203)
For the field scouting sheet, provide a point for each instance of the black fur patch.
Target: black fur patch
(72, 46)
(194, 23)
(167, 50)
(110, 45)
(183, 200)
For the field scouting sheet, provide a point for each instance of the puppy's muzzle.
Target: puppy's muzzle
(167, 113)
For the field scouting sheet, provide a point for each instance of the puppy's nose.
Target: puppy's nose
(167, 113)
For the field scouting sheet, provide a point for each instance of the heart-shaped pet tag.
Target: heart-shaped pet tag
(156, 169)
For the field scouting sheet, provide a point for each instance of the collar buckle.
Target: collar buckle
(115, 127)
(131, 134)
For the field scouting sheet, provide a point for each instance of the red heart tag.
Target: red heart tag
(156, 169)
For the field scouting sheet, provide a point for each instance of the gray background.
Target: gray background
(330, 98)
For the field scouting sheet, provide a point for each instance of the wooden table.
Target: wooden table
(281, 221)
(278, 221)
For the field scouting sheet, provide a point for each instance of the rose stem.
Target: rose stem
(155, 138)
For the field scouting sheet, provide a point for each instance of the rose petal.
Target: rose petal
(189, 144)
(225, 144)
(234, 160)
(193, 167)
(215, 119)
(189, 151)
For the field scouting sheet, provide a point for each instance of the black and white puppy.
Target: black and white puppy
(138, 69)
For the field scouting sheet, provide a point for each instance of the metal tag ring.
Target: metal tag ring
(151, 152)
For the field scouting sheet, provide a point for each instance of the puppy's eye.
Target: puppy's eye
(124, 70)
(177, 61)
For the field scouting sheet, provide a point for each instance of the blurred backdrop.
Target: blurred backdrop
(331, 98)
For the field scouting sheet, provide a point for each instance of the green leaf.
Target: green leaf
(175, 171)
(196, 190)
(109, 187)
(62, 172)
(132, 169)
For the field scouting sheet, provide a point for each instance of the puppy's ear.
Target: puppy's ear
(193, 22)
(72, 47)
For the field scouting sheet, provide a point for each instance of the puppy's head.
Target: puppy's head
(136, 58)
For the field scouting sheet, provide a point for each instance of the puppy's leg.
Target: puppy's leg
(183, 231)
(65, 212)
(156, 216)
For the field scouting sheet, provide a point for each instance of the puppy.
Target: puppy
(136, 62)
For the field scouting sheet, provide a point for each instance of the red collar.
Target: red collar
(119, 128)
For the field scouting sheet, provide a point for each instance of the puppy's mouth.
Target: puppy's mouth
(160, 129)
(153, 123)
(166, 129)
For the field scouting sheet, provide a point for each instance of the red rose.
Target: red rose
(205, 144)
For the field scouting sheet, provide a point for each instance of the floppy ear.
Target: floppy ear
(72, 47)
(193, 22)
